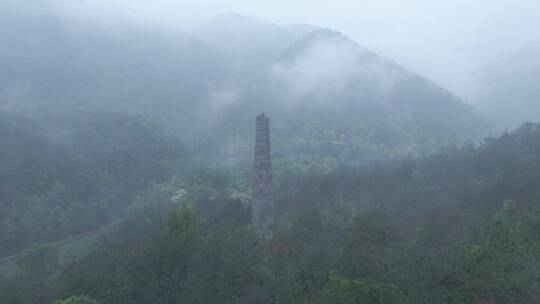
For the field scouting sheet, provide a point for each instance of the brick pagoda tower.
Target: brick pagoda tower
(262, 205)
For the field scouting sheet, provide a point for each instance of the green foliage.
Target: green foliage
(461, 226)
(367, 248)
(3, 288)
(346, 291)
(504, 255)
(181, 225)
(77, 300)
(38, 266)
(39, 259)
(61, 175)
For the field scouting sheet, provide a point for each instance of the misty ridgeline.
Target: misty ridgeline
(136, 167)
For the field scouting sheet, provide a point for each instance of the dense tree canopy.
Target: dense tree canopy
(61, 175)
(456, 227)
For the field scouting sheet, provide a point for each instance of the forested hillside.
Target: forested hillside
(61, 175)
(456, 227)
(328, 95)
(509, 85)
(127, 172)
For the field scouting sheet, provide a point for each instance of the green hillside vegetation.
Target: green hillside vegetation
(61, 175)
(327, 94)
(126, 169)
(456, 227)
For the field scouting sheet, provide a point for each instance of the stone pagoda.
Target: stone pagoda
(262, 205)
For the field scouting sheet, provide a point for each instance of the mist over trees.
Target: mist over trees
(508, 89)
(456, 227)
(227, 71)
(63, 175)
(126, 167)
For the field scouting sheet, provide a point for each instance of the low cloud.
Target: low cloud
(334, 67)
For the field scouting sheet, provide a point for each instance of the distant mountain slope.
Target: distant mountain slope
(327, 96)
(243, 36)
(48, 64)
(509, 92)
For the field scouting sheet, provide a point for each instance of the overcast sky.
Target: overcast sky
(443, 40)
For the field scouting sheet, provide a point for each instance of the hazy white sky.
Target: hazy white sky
(443, 40)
